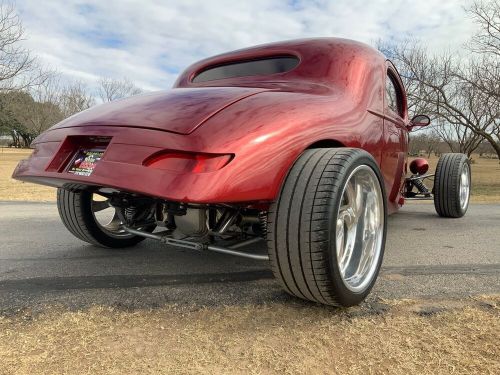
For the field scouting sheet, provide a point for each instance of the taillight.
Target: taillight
(176, 161)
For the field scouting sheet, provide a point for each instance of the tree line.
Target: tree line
(33, 98)
(24, 114)
(458, 90)
(429, 143)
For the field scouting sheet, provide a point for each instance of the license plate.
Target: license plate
(85, 161)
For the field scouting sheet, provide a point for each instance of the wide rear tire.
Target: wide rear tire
(452, 183)
(79, 217)
(330, 212)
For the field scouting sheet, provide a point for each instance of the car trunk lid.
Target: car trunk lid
(178, 111)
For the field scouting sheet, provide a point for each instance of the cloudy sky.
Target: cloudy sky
(151, 41)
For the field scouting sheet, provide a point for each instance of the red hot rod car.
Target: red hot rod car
(302, 143)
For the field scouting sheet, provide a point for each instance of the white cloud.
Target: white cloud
(151, 41)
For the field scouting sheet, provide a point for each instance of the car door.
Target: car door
(395, 136)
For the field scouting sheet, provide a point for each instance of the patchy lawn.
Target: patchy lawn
(398, 337)
(13, 190)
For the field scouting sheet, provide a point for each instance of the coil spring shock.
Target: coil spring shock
(263, 222)
(420, 186)
(130, 213)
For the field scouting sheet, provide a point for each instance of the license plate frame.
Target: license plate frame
(85, 160)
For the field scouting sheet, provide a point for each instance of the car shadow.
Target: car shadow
(44, 284)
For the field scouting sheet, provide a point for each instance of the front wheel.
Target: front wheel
(326, 232)
(90, 217)
(452, 185)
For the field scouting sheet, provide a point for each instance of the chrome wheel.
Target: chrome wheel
(360, 229)
(465, 186)
(107, 218)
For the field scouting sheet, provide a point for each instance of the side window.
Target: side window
(393, 96)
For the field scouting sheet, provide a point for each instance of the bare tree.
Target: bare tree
(462, 94)
(415, 53)
(486, 14)
(448, 98)
(480, 75)
(18, 68)
(28, 113)
(483, 72)
(424, 142)
(25, 114)
(458, 138)
(485, 150)
(75, 98)
(45, 110)
(111, 89)
(31, 98)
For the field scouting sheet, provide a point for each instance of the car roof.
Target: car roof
(325, 61)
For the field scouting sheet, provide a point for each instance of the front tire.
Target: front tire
(79, 211)
(326, 232)
(452, 185)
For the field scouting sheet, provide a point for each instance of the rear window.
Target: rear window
(258, 67)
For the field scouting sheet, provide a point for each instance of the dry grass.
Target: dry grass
(276, 339)
(14, 190)
(485, 175)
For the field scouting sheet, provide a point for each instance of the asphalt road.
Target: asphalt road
(42, 264)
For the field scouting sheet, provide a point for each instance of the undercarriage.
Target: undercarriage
(218, 228)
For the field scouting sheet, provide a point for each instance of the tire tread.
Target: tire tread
(447, 185)
(77, 217)
(298, 228)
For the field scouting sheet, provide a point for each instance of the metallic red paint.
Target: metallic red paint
(419, 166)
(176, 111)
(336, 94)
